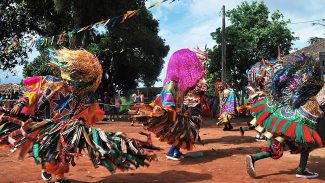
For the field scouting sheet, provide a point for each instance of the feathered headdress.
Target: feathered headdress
(81, 68)
(296, 82)
(219, 86)
(202, 55)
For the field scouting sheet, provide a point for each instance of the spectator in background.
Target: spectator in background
(118, 103)
(106, 98)
(112, 110)
(106, 106)
(139, 97)
(211, 103)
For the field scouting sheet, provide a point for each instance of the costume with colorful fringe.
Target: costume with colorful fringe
(55, 124)
(289, 114)
(258, 75)
(228, 102)
(175, 115)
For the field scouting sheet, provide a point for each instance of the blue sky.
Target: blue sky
(188, 23)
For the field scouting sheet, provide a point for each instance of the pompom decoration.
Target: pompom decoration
(185, 69)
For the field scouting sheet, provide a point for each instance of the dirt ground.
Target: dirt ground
(223, 160)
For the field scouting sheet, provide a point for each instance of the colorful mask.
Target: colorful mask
(79, 68)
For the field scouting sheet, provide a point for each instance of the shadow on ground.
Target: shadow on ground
(213, 154)
(315, 164)
(162, 177)
(234, 139)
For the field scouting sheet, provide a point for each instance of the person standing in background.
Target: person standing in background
(139, 97)
(118, 103)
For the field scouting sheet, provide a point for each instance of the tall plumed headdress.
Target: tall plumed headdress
(81, 68)
(202, 55)
(296, 82)
(219, 86)
(185, 68)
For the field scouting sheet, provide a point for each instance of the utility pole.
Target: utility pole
(223, 59)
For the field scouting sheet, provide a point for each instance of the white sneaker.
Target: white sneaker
(307, 174)
(45, 176)
(175, 158)
(250, 166)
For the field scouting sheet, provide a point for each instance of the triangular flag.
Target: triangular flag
(124, 17)
(133, 13)
(107, 22)
(154, 4)
(84, 28)
(130, 12)
(114, 21)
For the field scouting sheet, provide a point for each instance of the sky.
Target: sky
(188, 23)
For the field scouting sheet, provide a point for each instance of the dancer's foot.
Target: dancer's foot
(242, 132)
(174, 157)
(230, 126)
(226, 129)
(250, 166)
(62, 181)
(307, 174)
(46, 176)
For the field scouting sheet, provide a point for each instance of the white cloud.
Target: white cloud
(188, 23)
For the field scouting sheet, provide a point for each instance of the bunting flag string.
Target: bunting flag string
(58, 39)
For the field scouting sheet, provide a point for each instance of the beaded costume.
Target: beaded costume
(289, 114)
(174, 116)
(228, 104)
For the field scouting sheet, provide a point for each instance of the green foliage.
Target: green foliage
(126, 103)
(314, 40)
(131, 52)
(253, 34)
(39, 67)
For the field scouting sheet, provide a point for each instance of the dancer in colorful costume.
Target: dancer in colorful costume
(228, 104)
(174, 116)
(54, 120)
(258, 75)
(289, 113)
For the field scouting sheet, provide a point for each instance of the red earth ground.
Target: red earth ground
(223, 160)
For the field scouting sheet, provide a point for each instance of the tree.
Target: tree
(129, 52)
(253, 34)
(314, 40)
(39, 67)
(20, 20)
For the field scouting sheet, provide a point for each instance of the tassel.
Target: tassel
(28, 145)
(262, 117)
(108, 165)
(258, 108)
(285, 127)
(279, 127)
(87, 138)
(299, 134)
(290, 132)
(318, 139)
(307, 135)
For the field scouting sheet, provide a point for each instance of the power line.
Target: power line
(309, 21)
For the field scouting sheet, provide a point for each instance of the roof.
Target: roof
(313, 50)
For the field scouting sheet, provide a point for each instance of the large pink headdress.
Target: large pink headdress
(185, 68)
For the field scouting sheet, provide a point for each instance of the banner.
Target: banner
(58, 39)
